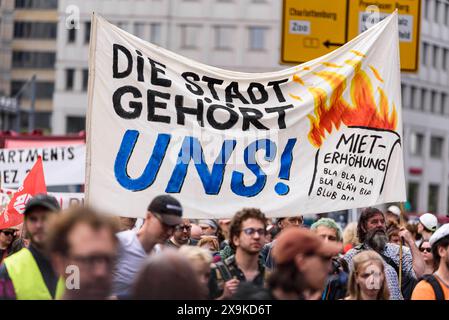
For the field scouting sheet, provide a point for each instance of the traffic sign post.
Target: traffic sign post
(312, 28)
(409, 16)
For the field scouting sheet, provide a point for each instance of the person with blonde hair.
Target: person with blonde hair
(367, 280)
(201, 260)
(350, 237)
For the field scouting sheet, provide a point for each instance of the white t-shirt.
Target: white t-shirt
(131, 256)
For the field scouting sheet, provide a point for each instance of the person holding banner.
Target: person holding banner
(28, 274)
(163, 214)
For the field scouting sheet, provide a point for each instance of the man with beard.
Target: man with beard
(181, 236)
(28, 273)
(82, 242)
(247, 237)
(371, 231)
(436, 286)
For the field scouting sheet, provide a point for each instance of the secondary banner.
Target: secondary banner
(63, 165)
(319, 137)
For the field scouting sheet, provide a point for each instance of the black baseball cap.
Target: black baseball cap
(167, 208)
(42, 201)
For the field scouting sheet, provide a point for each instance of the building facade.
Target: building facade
(244, 35)
(28, 48)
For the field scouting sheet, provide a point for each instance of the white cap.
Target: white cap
(429, 221)
(395, 210)
(442, 232)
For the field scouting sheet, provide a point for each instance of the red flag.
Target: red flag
(34, 183)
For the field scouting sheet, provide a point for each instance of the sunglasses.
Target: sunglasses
(428, 250)
(9, 233)
(251, 231)
(183, 227)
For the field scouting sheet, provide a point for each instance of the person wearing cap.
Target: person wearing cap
(163, 214)
(28, 274)
(372, 234)
(436, 286)
(303, 262)
(427, 225)
(247, 237)
(393, 214)
(7, 237)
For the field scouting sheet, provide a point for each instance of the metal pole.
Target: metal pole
(31, 115)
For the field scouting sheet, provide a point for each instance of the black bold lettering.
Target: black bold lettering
(155, 79)
(181, 111)
(232, 91)
(233, 117)
(251, 115)
(191, 85)
(277, 88)
(121, 74)
(211, 82)
(281, 111)
(152, 105)
(262, 92)
(134, 105)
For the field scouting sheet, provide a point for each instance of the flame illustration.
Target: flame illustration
(362, 111)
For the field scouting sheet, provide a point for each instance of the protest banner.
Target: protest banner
(34, 183)
(65, 199)
(322, 136)
(63, 165)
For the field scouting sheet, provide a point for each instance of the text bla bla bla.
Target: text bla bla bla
(349, 176)
(332, 194)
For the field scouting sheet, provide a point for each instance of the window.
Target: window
(423, 99)
(44, 89)
(436, 147)
(155, 33)
(437, 11)
(434, 190)
(31, 59)
(443, 103)
(412, 97)
(85, 79)
(75, 124)
(416, 144)
(426, 9)
(425, 48)
(69, 79)
(71, 38)
(37, 4)
(445, 57)
(223, 37)
(34, 30)
(87, 32)
(412, 195)
(435, 56)
(189, 36)
(433, 102)
(446, 14)
(139, 30)
(257, 38)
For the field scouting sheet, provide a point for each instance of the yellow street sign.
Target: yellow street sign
(361, 16)
(312, 28)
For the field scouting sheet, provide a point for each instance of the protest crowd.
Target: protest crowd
(79, 253)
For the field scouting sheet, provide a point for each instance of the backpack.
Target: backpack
(430, 279)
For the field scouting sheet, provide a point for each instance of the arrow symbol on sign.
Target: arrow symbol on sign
(328, 44)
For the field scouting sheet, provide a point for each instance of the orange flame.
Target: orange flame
(363, 112)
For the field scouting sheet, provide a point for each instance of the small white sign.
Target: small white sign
(300, 27)
(405, 22)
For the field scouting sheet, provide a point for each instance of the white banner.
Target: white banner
(319, 137)
(65, 199)
(63, 165)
